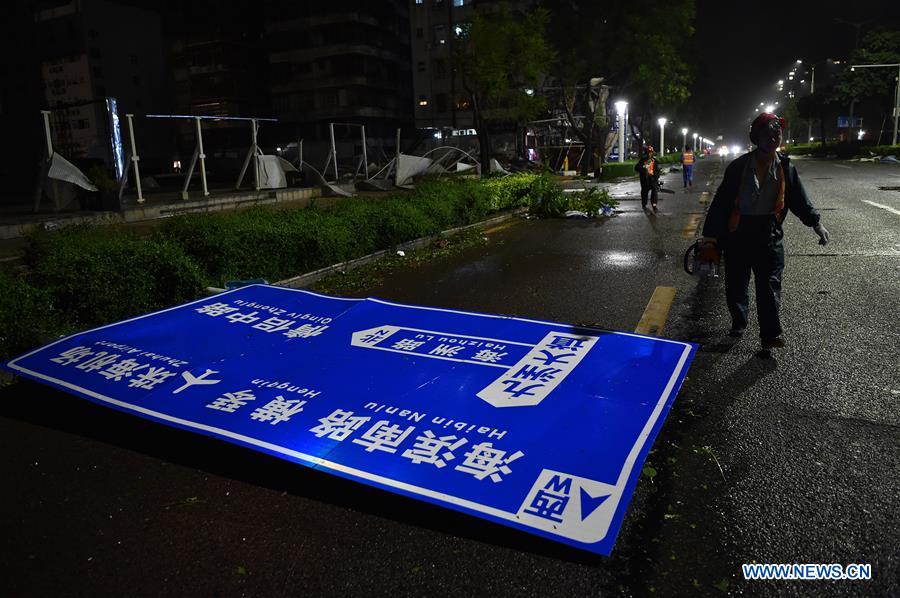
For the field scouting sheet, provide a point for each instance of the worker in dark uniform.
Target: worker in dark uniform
(745, 218)
(648, 168)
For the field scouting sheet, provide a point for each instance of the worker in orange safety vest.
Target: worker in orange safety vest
(687, 166)
(648, 168)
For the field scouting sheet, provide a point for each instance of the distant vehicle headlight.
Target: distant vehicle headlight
(735, 150)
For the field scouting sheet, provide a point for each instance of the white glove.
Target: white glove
(823, 234)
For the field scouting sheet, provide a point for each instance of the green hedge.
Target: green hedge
(614, 170)
(273, 244)
(93, 276)
(27, 317)
(87, 276)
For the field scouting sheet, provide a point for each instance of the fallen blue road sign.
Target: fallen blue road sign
(539, 426)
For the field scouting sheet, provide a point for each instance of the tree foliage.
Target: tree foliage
(641, 51)
(499, 56)
(878, 47)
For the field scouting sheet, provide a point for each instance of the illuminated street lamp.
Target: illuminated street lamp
(620, 108)
(695, 142)
(662, 135)
(684, 134)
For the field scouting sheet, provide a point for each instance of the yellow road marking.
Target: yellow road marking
(500, 227)
(657, 312)
(691, 227)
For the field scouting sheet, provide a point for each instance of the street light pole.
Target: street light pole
(620, 108)
(695, 143)
(896, 92)
(662, 135)
(684, 141)
(812, 90)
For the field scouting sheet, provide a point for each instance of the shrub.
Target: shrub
(546, 199)
(95, 277)
(614, 170)
(27, 318)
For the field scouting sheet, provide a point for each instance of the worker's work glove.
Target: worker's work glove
(823, 234)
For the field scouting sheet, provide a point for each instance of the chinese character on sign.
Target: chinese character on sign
(278, 410)
(533, 372)
(433, 450)
(566, 342)
(516, 388)
(488, 356)
(339, 425)
(383, 437)
(216, 309)
(550, 358)
(147, 380)
(306, 331)
(232, 401)
(274, 324)
(551, 501)
(446, 350)
(484, 460)
(240, 318)
(374, 337)
(192, 380)
(122, 369)
(408, 344)
(72, 355)
(98, 361)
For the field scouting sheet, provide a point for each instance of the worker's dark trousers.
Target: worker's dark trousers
(651, 189)
(755, 247)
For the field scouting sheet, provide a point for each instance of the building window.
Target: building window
(440, 34)
(423, 101)
(95, 52)
(420, 2)
(458, 3)
(440, 69)
(420, 33)
(421, 66)
(443, 102)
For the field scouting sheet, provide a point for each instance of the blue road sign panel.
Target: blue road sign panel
(539, 426)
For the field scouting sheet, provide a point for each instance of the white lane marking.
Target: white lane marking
(882, 206)
(842, 166)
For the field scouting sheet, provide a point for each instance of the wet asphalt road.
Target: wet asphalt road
(792, 459)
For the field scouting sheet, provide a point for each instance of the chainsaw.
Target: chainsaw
(702, 259)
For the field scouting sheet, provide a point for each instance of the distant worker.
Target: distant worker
(744, 220)
(687, 166)
(648, 168)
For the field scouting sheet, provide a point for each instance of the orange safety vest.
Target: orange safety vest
(687, 158)
(650, 164)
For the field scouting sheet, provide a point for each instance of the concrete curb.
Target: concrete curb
(305, 280)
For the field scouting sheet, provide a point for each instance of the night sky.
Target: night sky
(744, 49)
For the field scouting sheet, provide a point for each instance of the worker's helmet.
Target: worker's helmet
(763, 122)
